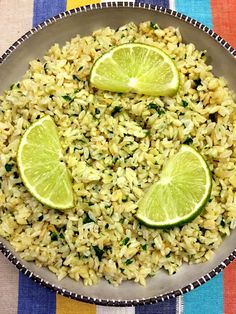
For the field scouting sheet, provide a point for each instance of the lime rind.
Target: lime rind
(139, 76)
(178, 221)
(49, 164)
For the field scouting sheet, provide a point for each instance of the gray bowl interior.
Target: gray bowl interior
(84, 23)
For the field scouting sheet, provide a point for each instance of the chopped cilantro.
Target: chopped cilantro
(40, 218)
(67, 98)
(11, 87)
(87, 219)
(153, 106)
(188, 141)
(222, 223)
(80, 68)
(99, 253)
(153, 25)
(119, 94)
(128, 261)
(168, 255)
(75, 77)
(61, 235)
(184, 103)
(8, 167)
(90, 204)
(125, 241)
(115, 110)
(198, 82)
(147, 132)
(45, 68)
(18, 85)
(54, 236)
(106, 226)
(144, 247)
(97, 111)
(51, 96)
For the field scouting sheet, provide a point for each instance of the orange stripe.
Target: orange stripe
(230, 289)
(224, 19)
(68, 306)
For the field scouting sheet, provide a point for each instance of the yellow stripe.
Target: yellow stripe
(72, 4)
(69, 306)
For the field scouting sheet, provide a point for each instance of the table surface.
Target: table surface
(21, 295)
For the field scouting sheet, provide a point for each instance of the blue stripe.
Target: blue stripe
(44, 9)
(161, 3)
(206, 299)
(167, 307)
(33, 298)
(199, 10)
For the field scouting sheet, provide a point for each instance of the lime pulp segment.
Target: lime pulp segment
(41, 165)
(138, 68)
(180, 194)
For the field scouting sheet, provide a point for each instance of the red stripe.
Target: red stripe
(224, 19)
(230, 289)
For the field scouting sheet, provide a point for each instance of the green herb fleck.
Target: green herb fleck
(106, 226)
(144, 247)
(198, 82)
(8, 167)
(99, 253)
(75, 77)
(115, 110)
(87, 219)
(61, 235)
(125, 241)
(128, 261)
(147, 133)
(40, 218)
(168, 255)
(11, 87)
(97, 111)
(80, 68)
(45, 68)
(67, 98)
(188, 141)
(153, 106)
(54, 236)
(154, 25)
(184, 103)
(90, 204)
(119, 94)
(222, 223)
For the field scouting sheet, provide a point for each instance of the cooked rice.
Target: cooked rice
(115, 146)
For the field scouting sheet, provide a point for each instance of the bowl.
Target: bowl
(84, 20)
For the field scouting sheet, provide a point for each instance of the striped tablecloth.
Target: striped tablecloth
(19, 294)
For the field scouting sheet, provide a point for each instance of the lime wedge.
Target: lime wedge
(180, 194)
(41, 165)
(136, 67)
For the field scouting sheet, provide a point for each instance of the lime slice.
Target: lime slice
(41, 165)
(136, 67)
(180, 194)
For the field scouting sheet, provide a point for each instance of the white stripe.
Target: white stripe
(179, 305)
(114, 310)
(172, 4)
